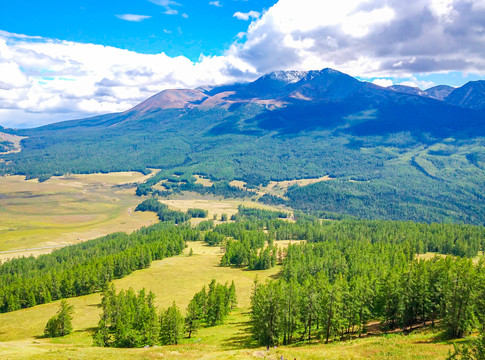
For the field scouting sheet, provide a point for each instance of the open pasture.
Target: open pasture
(66, 210)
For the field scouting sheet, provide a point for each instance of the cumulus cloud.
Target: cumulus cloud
(215, 3)
(133, 17)
(47, 76)
(414, 82)
(373, 39)
(246, 16)
(383, 82)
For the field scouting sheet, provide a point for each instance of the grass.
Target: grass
(66, 210)
(431, 255)
(177, 279)
(215, 206)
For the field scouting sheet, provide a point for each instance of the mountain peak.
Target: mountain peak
(171, 99)
(286, 77)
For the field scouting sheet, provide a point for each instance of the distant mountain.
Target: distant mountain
(408, 90)
(171, 99)
(439, 92)
(394, 153)
(471, 95)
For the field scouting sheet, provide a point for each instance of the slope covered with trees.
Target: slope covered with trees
(382, 147)
(87, 267)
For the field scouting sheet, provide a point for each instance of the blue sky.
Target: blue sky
(186, 27)
(69, 59)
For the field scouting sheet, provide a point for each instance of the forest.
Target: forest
(131, 320)
(336, 278)
(391, 175)
(87, 267)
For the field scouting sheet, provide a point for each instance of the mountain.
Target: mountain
(471, 95)
(408, 90)
(392, 153)
(439, 92)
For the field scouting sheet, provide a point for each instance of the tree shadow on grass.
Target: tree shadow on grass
(243, 338)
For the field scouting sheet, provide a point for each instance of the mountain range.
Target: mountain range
(397, 152)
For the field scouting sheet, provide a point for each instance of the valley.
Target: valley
(242, 180)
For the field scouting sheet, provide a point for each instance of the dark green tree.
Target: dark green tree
(171, 326)
(60, 324)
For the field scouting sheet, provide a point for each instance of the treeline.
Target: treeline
(131, 320)
(244, 243)
(334, 305)
(179, 182)
(351, 272)
(163, 212)
(87, 267)
(259, 214)
(251, 243)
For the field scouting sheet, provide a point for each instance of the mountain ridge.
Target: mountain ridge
(390, 155)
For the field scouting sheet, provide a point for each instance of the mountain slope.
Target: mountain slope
(439, 92)
(471, 95)
(392, 155)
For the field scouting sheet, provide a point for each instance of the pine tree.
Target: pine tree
(60, 324)
(171, 326)
(195, 313)
(459, 312)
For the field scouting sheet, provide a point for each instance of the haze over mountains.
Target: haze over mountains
(420, 151)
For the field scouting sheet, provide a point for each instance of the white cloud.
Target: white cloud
(375, 39)
(383, 82)
(185, 16)
(165, 2)
(421, 84)
(168, 5)
(47, 76)
(133, 17)
(368, 38)
(246, 16)
(215, 3)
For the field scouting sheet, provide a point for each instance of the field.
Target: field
(66, 210)
(177, 279)
(215, 206)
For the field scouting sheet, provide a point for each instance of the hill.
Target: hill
(390, 154)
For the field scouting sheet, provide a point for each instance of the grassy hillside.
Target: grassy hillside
(178, 279)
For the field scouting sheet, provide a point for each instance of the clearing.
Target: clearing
(14, 140)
